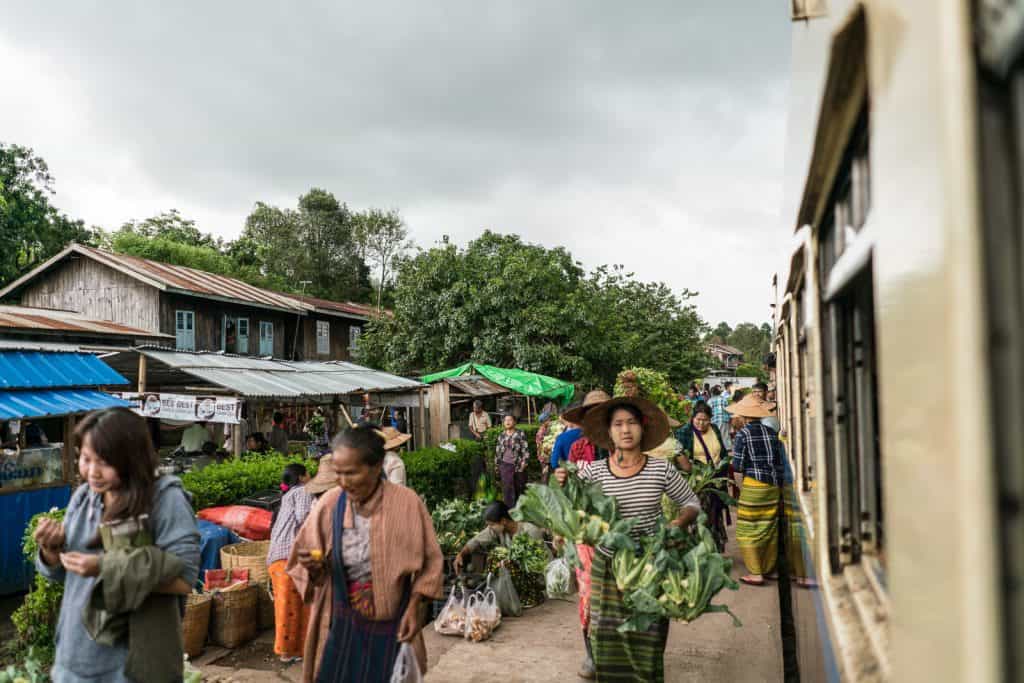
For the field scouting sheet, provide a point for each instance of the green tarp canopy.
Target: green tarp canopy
(519, 381)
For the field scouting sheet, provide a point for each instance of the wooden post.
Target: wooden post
(348, 418)
(422, 421)
(142, 372)
(68, 451)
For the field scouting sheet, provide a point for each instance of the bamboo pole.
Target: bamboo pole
(142, 373)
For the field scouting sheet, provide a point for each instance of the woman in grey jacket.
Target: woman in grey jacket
(117, 462)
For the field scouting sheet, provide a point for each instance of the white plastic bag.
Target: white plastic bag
(482, 616)
(452, 619)
(558, 579)
(407, 669)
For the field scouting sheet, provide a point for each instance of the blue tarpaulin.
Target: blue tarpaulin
(16, 510)
(39, 403)
(50, 369)
(212, 537)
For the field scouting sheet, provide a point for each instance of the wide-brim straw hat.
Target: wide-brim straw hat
(326, 478)
(750, 406)
(656, 425)
(589, 401)
(393, 438)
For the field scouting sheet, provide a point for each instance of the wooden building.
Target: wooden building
(201, 311)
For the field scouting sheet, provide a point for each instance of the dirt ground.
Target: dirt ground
(545, 645)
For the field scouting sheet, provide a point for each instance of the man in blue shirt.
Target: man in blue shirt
(564, 441)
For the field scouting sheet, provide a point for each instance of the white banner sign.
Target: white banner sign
(184, 407)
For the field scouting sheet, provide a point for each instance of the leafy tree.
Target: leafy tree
(31, 229)
(752, 370)
(381, 238)
(172, 226)
(721, 332)
(509, 303)
(752, 340)
(313, 243)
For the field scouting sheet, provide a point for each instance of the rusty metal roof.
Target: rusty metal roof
(475, 385)
(347, 309)
(49, 320)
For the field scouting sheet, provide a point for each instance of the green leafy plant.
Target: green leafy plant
(438, 474)
(655, 387)
(35, 622)
(455, 522)
(32, 670)
(526, 559)
(229, 482)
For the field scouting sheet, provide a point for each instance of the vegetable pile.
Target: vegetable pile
(705, 478)
(555, 428)
(526, 559)
(670, 573)
(455, 522)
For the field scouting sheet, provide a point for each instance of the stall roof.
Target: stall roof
(519, 381)
(45, 402)
(270, 378)
(49, 369)
(28, 319)
(475, 385)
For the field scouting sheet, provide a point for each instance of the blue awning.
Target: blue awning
(43, 402)
(48, 369)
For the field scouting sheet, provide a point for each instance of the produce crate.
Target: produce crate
(268, 499)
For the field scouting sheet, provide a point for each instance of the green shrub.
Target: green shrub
(490, 444)
(229, 482)
(438, 474)
(35, 622)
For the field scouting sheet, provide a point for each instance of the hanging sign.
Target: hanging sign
(224, 409)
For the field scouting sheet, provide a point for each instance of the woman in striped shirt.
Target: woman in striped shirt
(629, 427)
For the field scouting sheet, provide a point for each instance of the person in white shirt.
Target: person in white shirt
(394, 468)
(193, 438)
(479, 421)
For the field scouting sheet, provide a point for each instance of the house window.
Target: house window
(266, 338)
(184, 330)
(323, 337)
(353, 337)
(242, 343)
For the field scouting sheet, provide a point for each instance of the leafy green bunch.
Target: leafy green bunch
(675, 576)
(704, 477)
(578, 512)
(35, 622)
(526, 552)
(455, 522)
(228, 482)
(32, 671)
(655, 387)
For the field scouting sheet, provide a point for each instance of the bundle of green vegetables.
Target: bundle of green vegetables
(526, 559)
(671, 573)
(705, 478)
(555, 428)
(455, 522)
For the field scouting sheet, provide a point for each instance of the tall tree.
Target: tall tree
(313, 243)
(31, 229)
(720, 333)
(382, 238)
(171, 225)
(753, 340)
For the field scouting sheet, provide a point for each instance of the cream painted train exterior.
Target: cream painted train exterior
(899, 338)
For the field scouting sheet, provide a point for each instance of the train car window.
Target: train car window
(849, 367)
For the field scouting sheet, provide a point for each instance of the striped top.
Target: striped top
(639, 496)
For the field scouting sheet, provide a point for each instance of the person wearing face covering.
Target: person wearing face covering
(368, 563)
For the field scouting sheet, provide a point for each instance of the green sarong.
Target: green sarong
(636, 657)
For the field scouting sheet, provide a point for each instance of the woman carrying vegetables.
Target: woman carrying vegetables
(702, 442)
(630, 426)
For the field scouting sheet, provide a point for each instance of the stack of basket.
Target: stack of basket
(252, 555)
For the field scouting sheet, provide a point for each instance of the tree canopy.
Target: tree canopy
(31, 229)
(504, 302)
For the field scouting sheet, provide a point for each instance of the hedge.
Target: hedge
(490, 444)
(438, 474)
(229, 482)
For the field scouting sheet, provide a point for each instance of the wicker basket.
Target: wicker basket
(235, 618)
(196, 624)
(251, 555)
(265, 604)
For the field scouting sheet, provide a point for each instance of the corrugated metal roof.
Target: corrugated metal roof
(43, 402)
(474, 385)
(195, 281)
(47, 320)
(39, 369)
(344, 308)
(260, 377)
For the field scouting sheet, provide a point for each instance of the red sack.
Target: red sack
(222, 578)
(248, 522)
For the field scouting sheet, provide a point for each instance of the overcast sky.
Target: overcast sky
(649, 134)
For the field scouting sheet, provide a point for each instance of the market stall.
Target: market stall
(41, 392)
(453, 391)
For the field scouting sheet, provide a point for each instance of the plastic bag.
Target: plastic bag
(506, 593)
(482, 616)
(407, 669)
(452, 619)
(558, 579)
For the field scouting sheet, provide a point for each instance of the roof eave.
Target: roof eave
(303, 310)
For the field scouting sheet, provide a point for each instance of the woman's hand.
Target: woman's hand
(49, 536)
(458, 562)
(411, 623)
(314, 565)
(83, 564)
(561, 474)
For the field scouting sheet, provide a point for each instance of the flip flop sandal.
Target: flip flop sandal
(752, 582)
